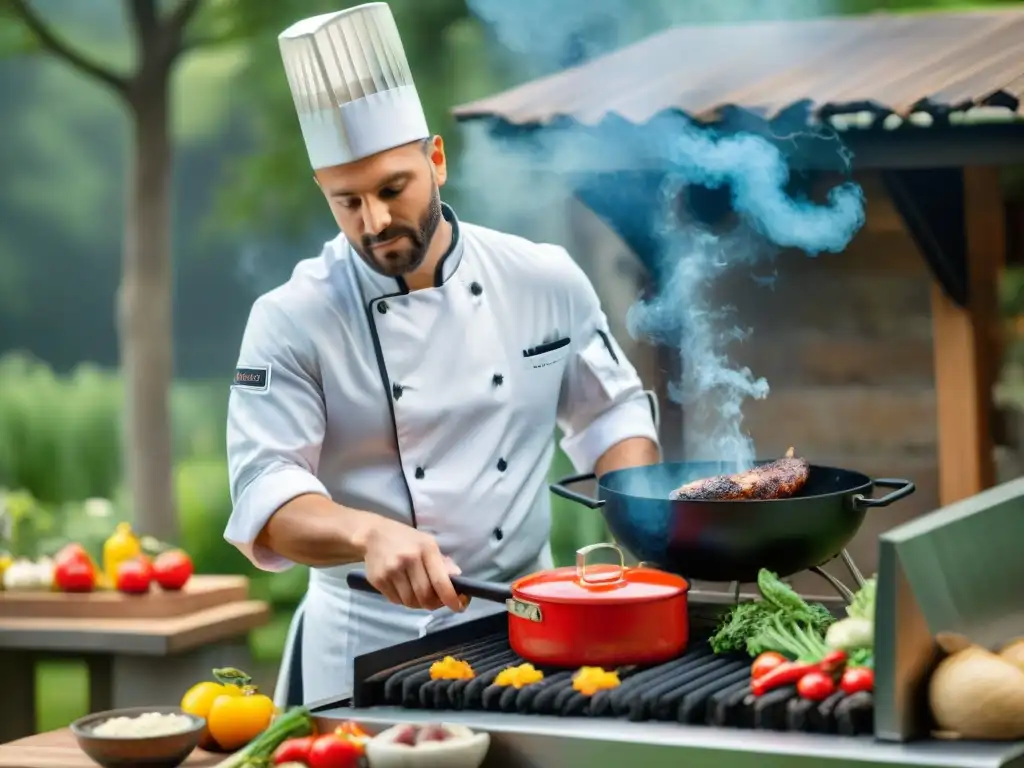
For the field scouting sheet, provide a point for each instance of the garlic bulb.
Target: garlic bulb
(21, 574)
(24, 574)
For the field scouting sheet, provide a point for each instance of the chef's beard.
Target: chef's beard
(403, 258)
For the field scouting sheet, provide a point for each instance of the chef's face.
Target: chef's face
(389, 204)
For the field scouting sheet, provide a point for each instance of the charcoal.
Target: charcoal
(472, 694)
(725, 708)
(825, 721)
(667, 704)
(526, 698)
(770, 709)
(487, 671)
(393, 687)
(507, 703)
(641, 706)
(544, 702)
(411, 688)
(798, 714)
(402, 687)
(855, 714)
(618, 699)
(693, 706)
(562, 699)
(433, 693)
(576, 705)
(491, 698)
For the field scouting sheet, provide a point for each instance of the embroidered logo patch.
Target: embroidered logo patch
(256, 379)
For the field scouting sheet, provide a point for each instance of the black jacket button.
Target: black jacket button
(382, 307)
(499, 534)
(396, 390)
(420, 473)
(476, 289)
(498, 379)
(502, 465)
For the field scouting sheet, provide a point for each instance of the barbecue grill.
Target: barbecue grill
(698, 688)
(972, 544)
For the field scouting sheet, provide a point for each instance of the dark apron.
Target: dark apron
(293, 695)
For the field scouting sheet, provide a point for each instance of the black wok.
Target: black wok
(732, 540)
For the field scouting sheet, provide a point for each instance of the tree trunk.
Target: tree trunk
(144, 314)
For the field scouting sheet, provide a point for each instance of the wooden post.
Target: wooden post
(965, 355)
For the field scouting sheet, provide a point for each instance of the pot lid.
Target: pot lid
(600, 582)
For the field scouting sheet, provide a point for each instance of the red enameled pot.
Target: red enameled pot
(593, 614)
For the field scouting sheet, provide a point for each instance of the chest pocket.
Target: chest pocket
(541, 370)
(547, 355)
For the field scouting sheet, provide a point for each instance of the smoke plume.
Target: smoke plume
(512, 180)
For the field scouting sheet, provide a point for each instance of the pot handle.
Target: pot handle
(484, 590)
(581, 565)
(558, 488)
(903, 488)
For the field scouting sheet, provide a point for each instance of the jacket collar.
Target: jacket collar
(374, 285)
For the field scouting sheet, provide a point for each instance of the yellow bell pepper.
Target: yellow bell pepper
(122, 546)
(5, 563)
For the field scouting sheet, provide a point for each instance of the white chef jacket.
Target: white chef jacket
(434, 407)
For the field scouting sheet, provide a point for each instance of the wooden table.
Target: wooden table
(58, 749)
(133, 662)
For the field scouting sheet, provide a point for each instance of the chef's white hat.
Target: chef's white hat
(351, 83)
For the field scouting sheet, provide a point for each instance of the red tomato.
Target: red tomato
(71, 552)
(816, 686)
(74, 574)
(857, 679)
(766, 662)
(294, 750)
(172, 570)
(134, 576)
(334, 751)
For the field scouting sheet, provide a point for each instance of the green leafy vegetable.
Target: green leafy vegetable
(850, 634)
(856, 634)
(863, 605)
(782, 618)
(862, 657)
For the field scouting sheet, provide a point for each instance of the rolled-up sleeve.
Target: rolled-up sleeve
(275, 430)
(602, 401)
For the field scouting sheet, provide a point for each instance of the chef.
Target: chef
(395, 401)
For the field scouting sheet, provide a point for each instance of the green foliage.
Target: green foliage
(59, 436)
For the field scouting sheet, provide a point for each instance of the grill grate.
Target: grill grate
(697, 688)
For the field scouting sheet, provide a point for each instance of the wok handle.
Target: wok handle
(484, 590)
(903, 488)
(558, 488)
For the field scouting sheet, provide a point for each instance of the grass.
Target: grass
(62, 687)
(62, 693)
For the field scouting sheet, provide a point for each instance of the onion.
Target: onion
(1013, 652)
(976, 694)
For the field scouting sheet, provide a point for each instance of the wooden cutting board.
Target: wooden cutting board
(58, 749)
(201, 593)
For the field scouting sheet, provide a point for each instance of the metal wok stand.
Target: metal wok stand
(843, 590)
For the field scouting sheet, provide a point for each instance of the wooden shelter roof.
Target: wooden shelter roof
(885, 63)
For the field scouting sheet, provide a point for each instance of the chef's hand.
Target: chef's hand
(407, 567)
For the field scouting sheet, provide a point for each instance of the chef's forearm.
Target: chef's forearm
(313, 530)
(631, 452)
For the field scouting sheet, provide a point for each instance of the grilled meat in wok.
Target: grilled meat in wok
(776, 480)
